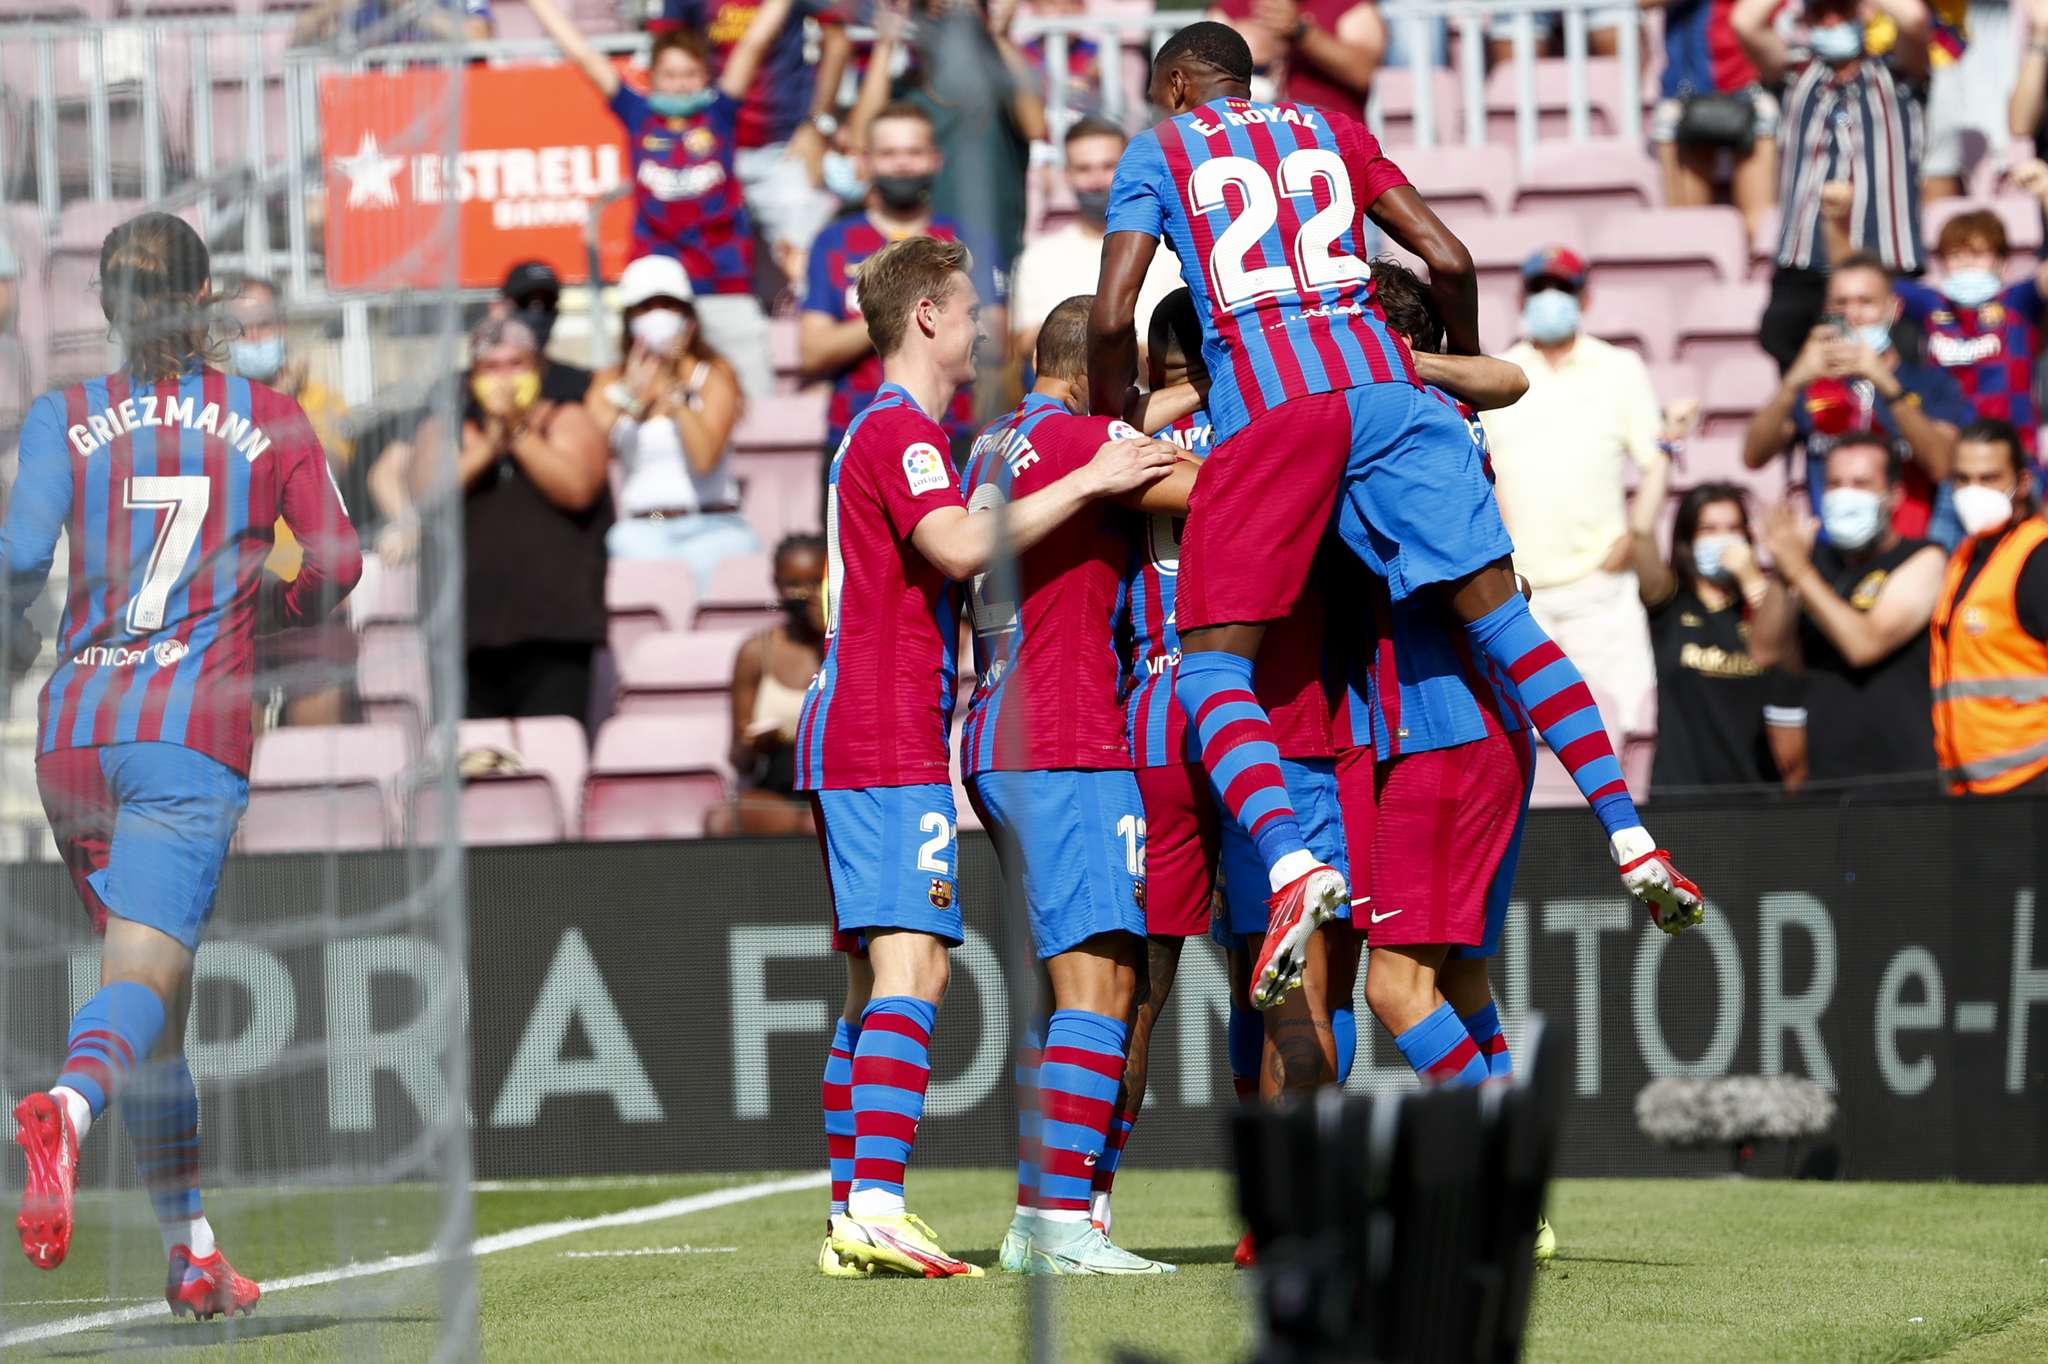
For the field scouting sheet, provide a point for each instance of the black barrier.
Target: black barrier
(648, 1007)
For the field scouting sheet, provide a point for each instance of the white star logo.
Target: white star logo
(370, 173)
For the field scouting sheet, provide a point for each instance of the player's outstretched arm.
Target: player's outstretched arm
(1485, 381)
(1454, 285)
(745, 58)
(1112, 322)
(960, 544)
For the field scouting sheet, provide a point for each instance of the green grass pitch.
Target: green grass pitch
(1646, 1271)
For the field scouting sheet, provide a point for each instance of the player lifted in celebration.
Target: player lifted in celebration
(1049, 770)
(1312, 396)
(871, 743)
(169, 478)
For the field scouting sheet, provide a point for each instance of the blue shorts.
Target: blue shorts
(1081, 834)
(893, 856)
(1417, 506)
(1312, 789)
(1502, 887)
(143, 829)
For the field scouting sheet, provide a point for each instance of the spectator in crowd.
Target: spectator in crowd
(394, 21)
(1320, 52)
(307, 676)
(786, 118)
(1059, 262)
(1724, 716)
(2024, 114)
(530, 464)
(1948, 104)
(1084, 60)
(670, 409)
(1558, 459)
(1850, 379)
(902, 164)
(1978, 328)
(769, 677)
(532, 292)
(686, 191)
(1844, 116)
(1989, 665)
(1865, 595)
(1713, 103)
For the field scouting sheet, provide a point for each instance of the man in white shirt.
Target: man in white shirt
(1066, 262)
(1557, 460)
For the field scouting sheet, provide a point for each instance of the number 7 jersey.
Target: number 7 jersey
(1270, 199)
(170, 494)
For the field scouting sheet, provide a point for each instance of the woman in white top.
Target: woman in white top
(670, 411)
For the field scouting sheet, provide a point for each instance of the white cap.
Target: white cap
(654, 277)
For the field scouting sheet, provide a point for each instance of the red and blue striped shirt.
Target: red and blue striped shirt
(1158, 727)
(686, 195)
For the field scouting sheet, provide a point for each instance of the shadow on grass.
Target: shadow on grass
(173, 1335)
(1188, 1255)
(1615, 1260)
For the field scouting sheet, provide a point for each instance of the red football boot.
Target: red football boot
(1306, 903)
(205, 1288)
(1245, 1255)
(46, 1138)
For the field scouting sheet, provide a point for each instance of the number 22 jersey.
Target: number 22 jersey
(1270, 199)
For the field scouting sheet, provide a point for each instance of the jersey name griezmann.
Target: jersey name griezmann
(233, 428)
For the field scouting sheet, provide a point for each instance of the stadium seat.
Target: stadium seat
(1736, 387)
(392, 679)
(1763, 246)
(1635, 315)
(645, 595)
(1718, 320)
(1463, 180)
(796, 423)
(655, 776)
(1590, 178)
(318, 788)
(386, 594)
(740, 596)
(1498, 247)
(1677, 379)
(1394, 88)
(1639, 749)
(2021, 215)
(680, 674)
(1676, 244)
(536, 805)
(1604, 114)
(784, 350)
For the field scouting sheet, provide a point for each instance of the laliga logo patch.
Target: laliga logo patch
(1123, 430)
(941, 894)
(169, 651)
(925, 468)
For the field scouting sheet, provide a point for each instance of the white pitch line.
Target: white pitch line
(483, 1245)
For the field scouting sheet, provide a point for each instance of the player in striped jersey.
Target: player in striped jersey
(169, 478)
(871, 742)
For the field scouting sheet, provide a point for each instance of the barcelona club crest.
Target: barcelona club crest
(1138, 893)
(941, 894)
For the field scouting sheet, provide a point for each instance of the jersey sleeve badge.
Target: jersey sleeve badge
(925, 468)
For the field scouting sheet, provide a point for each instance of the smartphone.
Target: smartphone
(1835, 320)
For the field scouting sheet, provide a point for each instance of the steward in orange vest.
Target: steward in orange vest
(1988, 666)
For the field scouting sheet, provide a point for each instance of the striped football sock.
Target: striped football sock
(1239, 750)
(1078, 1079)
(1560, 706)
(1029, 1055)
(1442, 1052)
(892, 1065)
(160, 1108)
(1120, 1124)
(1344, 1025)
(113, 1034)
(836, 1095)
(1247, 1036)
(1491, 1041)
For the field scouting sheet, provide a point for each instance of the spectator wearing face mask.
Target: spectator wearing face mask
(1989, 662)
(1725, 717)
(669, 411)
(1558, 464)
(532, 294)
(1865, 595)
(902, 162)
(1850, 380)
(1050, 267)
(769, 677)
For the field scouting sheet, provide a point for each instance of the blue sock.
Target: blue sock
(113, 1034)
(1491, 1041)
(1559, 705)
(892, 1065)
(1247, 1034)
(1030, 1055)
(1078, 1079)
(160, 1108)
(837, 1095)
(1238, 749)
(1442, 1052)
(1344, 1023)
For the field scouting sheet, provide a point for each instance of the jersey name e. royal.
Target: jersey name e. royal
(1145, 619)
(1049, 691)
(879, 711)
(170, 494)
(1268, 200)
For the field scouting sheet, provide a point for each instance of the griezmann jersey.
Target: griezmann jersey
(1989, 349)
(1145, 620)
(686, 197)
(879, 711)
(1050, 676)
(832, 289)
(170, 493)
(1268, 200)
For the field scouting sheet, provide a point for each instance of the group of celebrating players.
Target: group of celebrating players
(1361, 785)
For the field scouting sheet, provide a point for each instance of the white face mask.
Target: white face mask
(657, 329)
(1837, 42)
(1877, 336)
(1980, 508)
(1971, 288)
(1706, 554)
(1852, 517)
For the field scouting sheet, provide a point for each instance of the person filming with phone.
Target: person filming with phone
(1849, 380)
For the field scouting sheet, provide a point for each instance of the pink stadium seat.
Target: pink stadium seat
(1604, 115)
(740, 595)
(646, 595)
(1499, 246)
(392, 679)
(655, 776)
(1461, 179)
(680, 674)
(782, 493)
(1736, 387)
(387, 593)
(2020, 213)
(323, 788)
(1590, 177)
(1395, 87)
(1675, 380)
(795, 423)
(542, 804)
(1634, 315)
(783, 349)
(1717, 320)
(1675, 244)
(1763, 245)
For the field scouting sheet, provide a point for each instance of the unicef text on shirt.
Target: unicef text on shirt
(167, 652)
